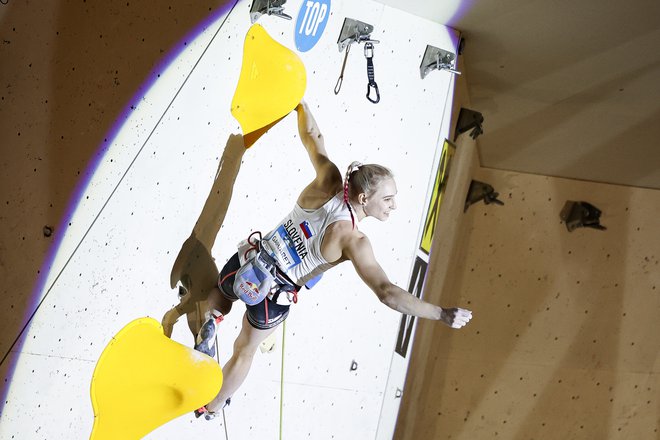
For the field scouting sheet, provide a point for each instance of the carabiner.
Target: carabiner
(375, 87)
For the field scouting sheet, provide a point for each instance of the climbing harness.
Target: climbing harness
(369, 55)
(260, 277)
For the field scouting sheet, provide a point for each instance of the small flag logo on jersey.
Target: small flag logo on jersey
(304, 226)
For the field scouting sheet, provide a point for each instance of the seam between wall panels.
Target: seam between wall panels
(418, 253)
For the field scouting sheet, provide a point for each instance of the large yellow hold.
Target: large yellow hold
(143, 379)
(271, 84)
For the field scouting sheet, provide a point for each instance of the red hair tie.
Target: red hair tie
(350, 210)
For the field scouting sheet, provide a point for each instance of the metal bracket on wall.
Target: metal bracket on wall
(354, 31)
(481, 191)
(581, 215)
(267, 7)
(435, 58)
(469, 120)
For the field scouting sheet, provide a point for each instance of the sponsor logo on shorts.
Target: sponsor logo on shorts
(272, 320)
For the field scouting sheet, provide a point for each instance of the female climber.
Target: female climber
(318, 234)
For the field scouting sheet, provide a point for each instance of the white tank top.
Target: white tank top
(296, 241)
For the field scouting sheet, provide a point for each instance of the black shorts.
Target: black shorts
(263, 316)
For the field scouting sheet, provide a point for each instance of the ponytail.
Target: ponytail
(353, 167)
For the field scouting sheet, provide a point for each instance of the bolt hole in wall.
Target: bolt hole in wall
(146, 192)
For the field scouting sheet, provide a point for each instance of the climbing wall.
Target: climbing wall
(139, 191)
(564, 340)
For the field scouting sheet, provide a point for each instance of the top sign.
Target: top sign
(312, 18)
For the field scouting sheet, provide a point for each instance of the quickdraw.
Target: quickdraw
(372, 86)
(369, 55)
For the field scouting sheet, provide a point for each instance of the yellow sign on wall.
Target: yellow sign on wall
(439, 187)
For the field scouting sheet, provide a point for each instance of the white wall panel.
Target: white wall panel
(151, 186)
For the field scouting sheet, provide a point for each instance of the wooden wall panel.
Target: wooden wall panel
(564, 342)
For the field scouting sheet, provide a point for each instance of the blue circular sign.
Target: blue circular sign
(312, 18)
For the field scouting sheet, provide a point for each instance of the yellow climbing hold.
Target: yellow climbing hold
(143, 379)
(271, 84)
